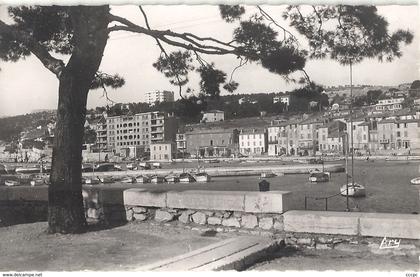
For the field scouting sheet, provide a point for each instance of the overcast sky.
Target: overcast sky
(27, 85)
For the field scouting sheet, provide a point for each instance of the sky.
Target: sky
(26, 85)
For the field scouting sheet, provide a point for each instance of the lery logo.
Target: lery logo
(389, 243)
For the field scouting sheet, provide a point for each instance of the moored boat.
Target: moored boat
(415, 181)
(202, 177)
(11, 183)
(172, 178)
(186, 178)
(91, 181)
(354, 190)
(157, 179)
(128, 180)
(319, 177)
(105, 179)
(28, 170)
(267, 175)
(142, 179)
(38, 182)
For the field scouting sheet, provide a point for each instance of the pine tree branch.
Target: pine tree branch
(55, 65)
(188, 41)
(163, 51)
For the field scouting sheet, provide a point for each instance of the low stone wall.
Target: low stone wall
(253, 212)
(356, 224)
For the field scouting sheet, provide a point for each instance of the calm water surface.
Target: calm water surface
(387, 185)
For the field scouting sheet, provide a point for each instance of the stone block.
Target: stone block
(405, 226)
(231, 222)
(184, 217)
(163, 216)
(140, 217)
(267, 202)
(321, 222)
(227, 214)
(305, 241)
(321, 246)
(206, 200)
(141, 197)
(129, 214)
(199, 218)
(278, 225)
(213, 220)
(249, 221)
(139, 210)
(266, 223)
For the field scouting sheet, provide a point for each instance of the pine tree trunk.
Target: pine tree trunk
(65, 201)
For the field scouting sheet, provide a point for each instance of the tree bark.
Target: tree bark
(65, 202)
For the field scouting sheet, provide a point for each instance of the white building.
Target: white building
(213, 116)
(282, 99)
(273, 140)
(390, 104)
(159, 96)
(253, 142)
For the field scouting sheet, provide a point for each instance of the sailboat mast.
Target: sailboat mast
(351, 124)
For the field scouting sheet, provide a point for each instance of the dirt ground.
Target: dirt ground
(27, 247)
(336, 260)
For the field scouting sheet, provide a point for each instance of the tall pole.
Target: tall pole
(351, 124)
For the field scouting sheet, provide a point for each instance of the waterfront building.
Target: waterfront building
(137, 131)
(162, 151)
(273, 140)
(253, 141)
(211, 142)
(100, 127)
(213, 116)
(308, 136)
(154, 97)
(399, 134)
(332, 137)
(360, 134)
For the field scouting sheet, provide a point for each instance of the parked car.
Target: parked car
(106, 167)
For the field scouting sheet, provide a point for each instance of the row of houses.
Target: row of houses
(371, 134)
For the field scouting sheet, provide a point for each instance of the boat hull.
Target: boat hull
(415, 181)
(357, 191)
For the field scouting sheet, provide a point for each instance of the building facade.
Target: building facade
(211, 142)
(253, 142)
(213, 116)
(390, 104)
(138, 131)
(163, 151)
(159, 96)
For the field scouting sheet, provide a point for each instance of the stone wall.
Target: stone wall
(218, 219)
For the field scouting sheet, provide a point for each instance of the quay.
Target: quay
(230, 171)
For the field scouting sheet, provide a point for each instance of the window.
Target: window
(405, 134)
(211, 142)
(398, 134)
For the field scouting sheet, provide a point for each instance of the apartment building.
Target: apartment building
(159, 96)
(135, 132)
(253, 141)
(390, 104)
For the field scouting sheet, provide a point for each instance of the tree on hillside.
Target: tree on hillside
(372, 96)
(415, 84)
(82, 32)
